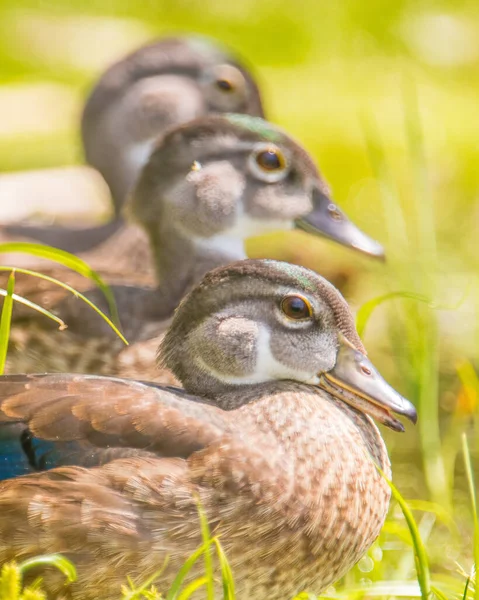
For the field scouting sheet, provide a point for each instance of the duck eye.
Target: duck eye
(224, 85)
(268, 163)
(270, 159)
(296, 307)
(225, 88)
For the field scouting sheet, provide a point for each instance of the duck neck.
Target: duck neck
(181, 260)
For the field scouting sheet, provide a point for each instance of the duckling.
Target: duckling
(273, 434)
(208, 186)
(165, 83)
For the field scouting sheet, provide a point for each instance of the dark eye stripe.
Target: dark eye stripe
(296, 307)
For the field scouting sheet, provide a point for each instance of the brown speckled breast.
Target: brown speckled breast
(290, 487)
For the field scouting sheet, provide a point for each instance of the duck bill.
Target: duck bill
(328, 220)
(355, 380)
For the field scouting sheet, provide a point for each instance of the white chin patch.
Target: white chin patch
(247, 226)
(230, 242)
(223, 245)
(267, 368)
(138, 154)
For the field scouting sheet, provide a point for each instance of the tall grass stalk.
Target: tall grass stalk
(209, 570)
(425, 275)
(411, 266)
(420, 554)
(6, 320)
(475, 518)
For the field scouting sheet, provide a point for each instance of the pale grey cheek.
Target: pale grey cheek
(206, 202)
(275, 201)
(307, 352)
(152, 104)
(228, 346)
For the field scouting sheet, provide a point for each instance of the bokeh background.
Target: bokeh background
(385, 95)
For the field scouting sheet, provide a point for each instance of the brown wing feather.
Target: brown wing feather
(108, 412)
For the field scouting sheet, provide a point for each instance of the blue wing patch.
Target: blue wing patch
(22, 453)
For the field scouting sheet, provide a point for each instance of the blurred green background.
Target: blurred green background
(385, 94)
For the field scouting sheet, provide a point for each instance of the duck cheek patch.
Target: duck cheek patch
(206, 202)
(151, 105)
(305, 351)
(229, 347)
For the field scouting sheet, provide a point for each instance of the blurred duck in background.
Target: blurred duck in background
(163, 84)
(208, 185)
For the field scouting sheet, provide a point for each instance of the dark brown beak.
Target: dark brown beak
(327, 219)
(356, 381)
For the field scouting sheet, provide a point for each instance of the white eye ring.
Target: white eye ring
(268, 163)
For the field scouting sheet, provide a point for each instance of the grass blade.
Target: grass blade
(131, 592)
(183, 572)
(466, 587)
(51, 560)
(209, 571)
(439, 512)
(74, 292)
(437, 592)
(21, 300)
(229, 592)
(191, 588)
(472, 492)
(420, 555)
(68, 260)
(6, 320)
(364, 313)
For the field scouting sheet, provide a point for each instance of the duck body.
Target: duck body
(272, 433)
(294, 508)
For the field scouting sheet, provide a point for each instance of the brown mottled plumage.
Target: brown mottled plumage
(285, 471)
(208, 186)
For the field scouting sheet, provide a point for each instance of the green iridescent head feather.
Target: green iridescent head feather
(256, 125)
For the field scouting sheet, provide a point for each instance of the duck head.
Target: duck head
(164, 83)
(259, 321)
(221, 179)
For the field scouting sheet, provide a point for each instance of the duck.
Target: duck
(208, 185)
(273, 434)
(162, 84)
